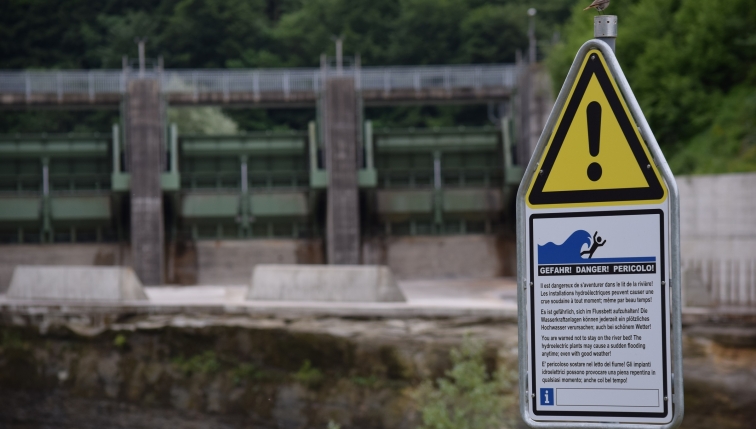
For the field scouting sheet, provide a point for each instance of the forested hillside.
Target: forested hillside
(265, 33)
(692, 63)
(692, 66)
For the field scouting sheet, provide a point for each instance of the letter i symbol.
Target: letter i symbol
(545, 396)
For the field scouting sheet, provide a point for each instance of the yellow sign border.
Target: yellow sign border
(635, 129)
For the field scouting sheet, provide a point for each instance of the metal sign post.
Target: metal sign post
(598, 247)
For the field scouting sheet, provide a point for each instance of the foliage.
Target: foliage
(11, 340)
(309, 375)
(333, 425)
(369, 382)
(248, 371)
(38, 34)
(689, 63)
(202, 120)
(729, 144)
(468, 397)
(203, 363)
(120, 341)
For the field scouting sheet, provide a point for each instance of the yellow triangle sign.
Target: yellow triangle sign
(595, 155)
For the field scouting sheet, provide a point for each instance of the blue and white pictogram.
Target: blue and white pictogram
(579, 248)
(547, 396)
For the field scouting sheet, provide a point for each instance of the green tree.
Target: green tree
(202, 120)
(493, 33)
(111, 37)
(210, 33)
(469, 397)
(265, 33)
(684, 60)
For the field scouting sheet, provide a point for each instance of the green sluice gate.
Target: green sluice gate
(441, 181)
(75, 188)
(57, 188)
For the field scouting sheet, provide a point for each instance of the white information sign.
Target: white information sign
(598, 306)
(597, 226)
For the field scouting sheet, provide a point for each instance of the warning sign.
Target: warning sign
(598, 312)
(597, 224)
(596, 155)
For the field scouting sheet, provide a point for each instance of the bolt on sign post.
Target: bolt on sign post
(598, 248)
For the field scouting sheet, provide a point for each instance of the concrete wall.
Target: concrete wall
(59, 254)
(343, 221)
(718, 239)
(428, 257)
(231, 262)
(144, 135)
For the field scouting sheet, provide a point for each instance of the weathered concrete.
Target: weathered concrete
(144, 134)
(230, 262)
(347, 283)
(230, 371)
(80, 284)
(341, 128)
(494, 299)
(429, 257)
(59, 254)
(718, 238)
(194, 371)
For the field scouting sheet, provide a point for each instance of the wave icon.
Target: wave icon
(579, 248)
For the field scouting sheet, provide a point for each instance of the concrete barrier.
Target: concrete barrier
(228, 262)
(83, 284)
(336, 283)
(718, 239)
(476, 256)
(58, 254)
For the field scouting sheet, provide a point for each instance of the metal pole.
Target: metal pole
(125, 69)
(357, 72)
(160, 70)
(46, 223)
(339, 56)
(369, 145)
(116, 150)
(437, 191)
(323, 69)
(244, 178)
(531, 36)
(605, 29)
(45, 176)
(174, 148)
(140, 43)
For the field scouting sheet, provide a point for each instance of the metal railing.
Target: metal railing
(60, 83)
(257, 81)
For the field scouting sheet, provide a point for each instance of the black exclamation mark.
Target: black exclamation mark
(593, 111)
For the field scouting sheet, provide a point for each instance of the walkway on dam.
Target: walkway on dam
(261, 87)
(495, 298)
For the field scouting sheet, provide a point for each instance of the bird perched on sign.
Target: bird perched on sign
(599, 5)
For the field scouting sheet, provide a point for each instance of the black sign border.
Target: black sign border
(662, 272)
(654, 191)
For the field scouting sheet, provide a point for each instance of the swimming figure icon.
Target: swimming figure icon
(570, 251)
(597, 242)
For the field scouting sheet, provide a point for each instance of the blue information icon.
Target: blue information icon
(547, 396)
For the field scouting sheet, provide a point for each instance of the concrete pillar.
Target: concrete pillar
(144, 134)
(343, 218)
(534, 104)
